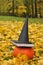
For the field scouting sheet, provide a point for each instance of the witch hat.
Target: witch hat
(23, 38)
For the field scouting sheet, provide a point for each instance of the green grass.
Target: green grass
(36, 20)
(12, 18)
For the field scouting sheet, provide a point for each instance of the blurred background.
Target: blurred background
(19, 8)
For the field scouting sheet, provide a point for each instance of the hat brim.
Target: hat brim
(22, 44)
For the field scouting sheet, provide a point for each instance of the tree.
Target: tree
(32, 2)
(13, 7)
(27, 4)
(35, 8)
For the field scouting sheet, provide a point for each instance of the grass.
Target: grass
(36, 20)
(12, 18)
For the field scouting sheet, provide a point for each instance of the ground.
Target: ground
(10, 28)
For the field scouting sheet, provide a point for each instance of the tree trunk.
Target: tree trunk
(32, 8)
(35, 8)
(40, 9)
(13, 7)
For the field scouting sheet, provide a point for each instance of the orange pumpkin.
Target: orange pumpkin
(29, 52)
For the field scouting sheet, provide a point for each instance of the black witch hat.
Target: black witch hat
(23, 38)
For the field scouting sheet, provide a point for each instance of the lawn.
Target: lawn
(12, 18)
